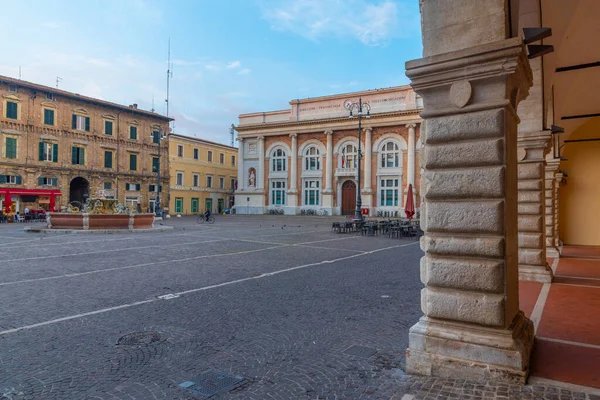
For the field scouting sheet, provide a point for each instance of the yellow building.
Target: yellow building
(203, 175)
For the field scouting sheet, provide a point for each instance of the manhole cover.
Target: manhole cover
(209, 383)
(360, 351)
(139, 338)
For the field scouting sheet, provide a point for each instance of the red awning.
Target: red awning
(30, 192)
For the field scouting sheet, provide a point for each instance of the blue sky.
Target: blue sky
(229, 56)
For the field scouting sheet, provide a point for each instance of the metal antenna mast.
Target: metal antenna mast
(58, 79)
(231, 134)
(169, 76)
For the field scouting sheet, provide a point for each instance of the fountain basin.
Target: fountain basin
(99, 221)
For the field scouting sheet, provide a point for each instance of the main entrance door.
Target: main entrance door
(348, 198)
(208, 204)
(79, 190)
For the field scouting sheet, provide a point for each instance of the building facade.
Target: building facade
(203, 175)
(306, 157)
(58, 147)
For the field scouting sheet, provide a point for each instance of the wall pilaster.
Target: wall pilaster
(532, 149)
(550, 205)
(241, 178)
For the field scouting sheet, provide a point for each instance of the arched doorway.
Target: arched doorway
(79, 190)
(348, 198)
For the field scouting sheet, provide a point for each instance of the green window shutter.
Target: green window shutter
(74, 122)
(133, 132)
(42, 144)
(54, 181)
(154, 164)
(19, 180)
(54, 152)
(108, 128)
(87, 124)
(40, 180)
(107, 185)
(48, 117)
(132, 162)
(138, 186)
(82, 156)
(11, 110)
(73, 155)
(108, 159)
(11, 148)
(2, 178)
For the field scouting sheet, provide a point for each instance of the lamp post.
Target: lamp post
(361, 109)
(157, 136)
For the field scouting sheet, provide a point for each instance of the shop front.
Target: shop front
(34, 201)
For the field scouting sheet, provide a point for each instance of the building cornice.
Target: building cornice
(341, 123)
(176, 137)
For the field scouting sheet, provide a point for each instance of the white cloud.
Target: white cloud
(244, 71)
(234, 64)
(213, 66)
(371, 23)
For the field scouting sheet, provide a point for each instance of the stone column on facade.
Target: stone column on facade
(367, 191)
(411, 154)
(328, 191)
(532, 149)
(241, 178)
(260, 179)
(472, 327)
(292, 192)
(551, 167)
(558, 179)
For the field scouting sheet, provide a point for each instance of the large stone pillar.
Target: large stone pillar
(550, 171)
(471, 81)
(532, 149)
(260, 179)
(292, 192)
(241, 178)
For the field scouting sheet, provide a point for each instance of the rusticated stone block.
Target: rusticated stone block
(531, 256)
(463, 273)
(530, 240)
(534, 170)
(463, 183)
(534, 184)
(479, 308)
(529, 208)
(530, 223)
(463, 246)
(481, 152)
(530, 197)
(465, 216)
(482, 124)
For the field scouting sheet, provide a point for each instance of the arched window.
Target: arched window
(312, 159)
(349, 156)
(278, 161)
(390, 155)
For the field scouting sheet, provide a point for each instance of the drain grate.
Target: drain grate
(360, 351)
(211, 382)
(140, 338)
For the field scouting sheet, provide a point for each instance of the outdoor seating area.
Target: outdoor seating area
(393, 228)
(32, 216)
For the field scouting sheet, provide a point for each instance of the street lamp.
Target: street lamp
(157, 136)
(362, 109)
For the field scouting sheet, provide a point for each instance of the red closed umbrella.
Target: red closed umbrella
(409, 207)
(7, 203)
(52, 203)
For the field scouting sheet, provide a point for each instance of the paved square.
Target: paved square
(274, 299)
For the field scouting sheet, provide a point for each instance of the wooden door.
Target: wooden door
(348, 198)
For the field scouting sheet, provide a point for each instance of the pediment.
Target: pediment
(12, 97)
(81, 111)
(48, 104)
(134, 122)
(109, 117)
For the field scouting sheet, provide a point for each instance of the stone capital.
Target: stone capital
(481, 67)
(411, 126)
(552, 164)
(240, 139)
(328, 132)
(368, 129)
(260, 138)
(535, 144)
(293, 135)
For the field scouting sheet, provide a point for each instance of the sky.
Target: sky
(229, 57)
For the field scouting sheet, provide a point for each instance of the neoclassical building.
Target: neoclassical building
(306, 157)
(58, 147)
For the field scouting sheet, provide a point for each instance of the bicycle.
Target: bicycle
(202, 219)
